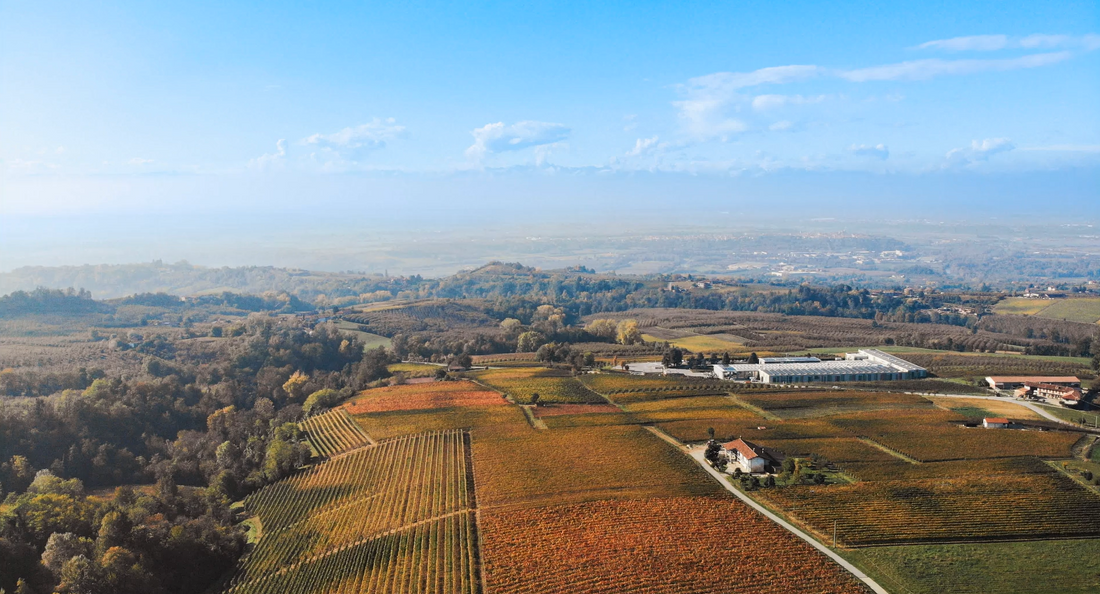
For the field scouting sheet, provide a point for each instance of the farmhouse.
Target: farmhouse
(1060, 394)
(749, 456)
(1009, 382)
(867, 365)
(995, 423)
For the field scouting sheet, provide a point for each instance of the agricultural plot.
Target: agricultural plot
(590, 420)
(948, 510)
(551, 385)
(626, 389)
(753, 428)
(980, 408)
(973, 365)
(704, 343)
(557, 410)
(939, 435)
(413, 369)
(1085, 310)
(836, 450)
(802, 403)
(524, 467)
(898, 470)
(672, 546)
(399, 423)
(1021, 306)
(679, 409)
(1039, 567)
(392, 517)
(434, 395)
(333, 432)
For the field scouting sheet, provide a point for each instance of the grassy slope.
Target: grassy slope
(1040, 567)
(1086, 310)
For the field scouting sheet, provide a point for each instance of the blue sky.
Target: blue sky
(205, 105)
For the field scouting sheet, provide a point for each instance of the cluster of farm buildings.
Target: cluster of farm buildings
(866, 365)
(1057, 389)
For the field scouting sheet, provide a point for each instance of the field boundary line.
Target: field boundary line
(753, 409)
(892, 452)
(857, 572)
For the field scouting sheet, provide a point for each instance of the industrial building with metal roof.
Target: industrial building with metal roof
(866, 365)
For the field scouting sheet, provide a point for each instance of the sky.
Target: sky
(156, 109)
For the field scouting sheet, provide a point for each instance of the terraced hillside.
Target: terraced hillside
(392, 517)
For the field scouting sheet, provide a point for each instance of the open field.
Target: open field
(808, 403)
(977, 408)
(665, 546)
(958, 509)
(369, 340)
(406, 422)
(1021, 306)
(703, 343)
(897, 470)
(695, 407)
(937, 435)
(1039, 567)
(522, 467)
(432, 395)
(1080, 309)
(413, 369)
(392, 517)
(550, 384)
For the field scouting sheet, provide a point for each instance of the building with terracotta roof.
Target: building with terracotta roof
(1009, 382)
(995, 423)
(749, 456)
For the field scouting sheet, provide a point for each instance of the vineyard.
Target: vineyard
(939, 435)
(698, 407)
(804, 403)
(333, 432)
(551, 385)
(974, 365)
(400, 423)
(673, 546)
(753, 428)
(837, 450)
(522, 467)
(898, 470)
(1028, 506)
(394, 517)
(434, 395)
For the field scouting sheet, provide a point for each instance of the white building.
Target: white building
(867, 365)
(748, 456)
(995, 423)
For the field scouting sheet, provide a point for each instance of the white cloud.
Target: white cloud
(763, 102)
(642, 146)
(270, 160)
(930, 68)
(979, 151)
(988, 43)
(973, 43)
(364, 137)
(879, 151)
(498, 138)
(140, 161)
(781, 126)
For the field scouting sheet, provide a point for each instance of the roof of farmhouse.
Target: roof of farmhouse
(1038, 379)
(747, 449)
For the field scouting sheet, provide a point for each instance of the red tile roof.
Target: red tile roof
(1038, 379)
(747, 449)
(998, 420)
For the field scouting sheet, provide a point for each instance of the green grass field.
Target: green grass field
(1039, 567)
(1085, 310)
(370, 341)
(701, 343)
(1021, 306)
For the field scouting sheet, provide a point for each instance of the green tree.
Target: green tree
(529, 341)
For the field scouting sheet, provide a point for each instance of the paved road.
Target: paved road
(697, 455)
